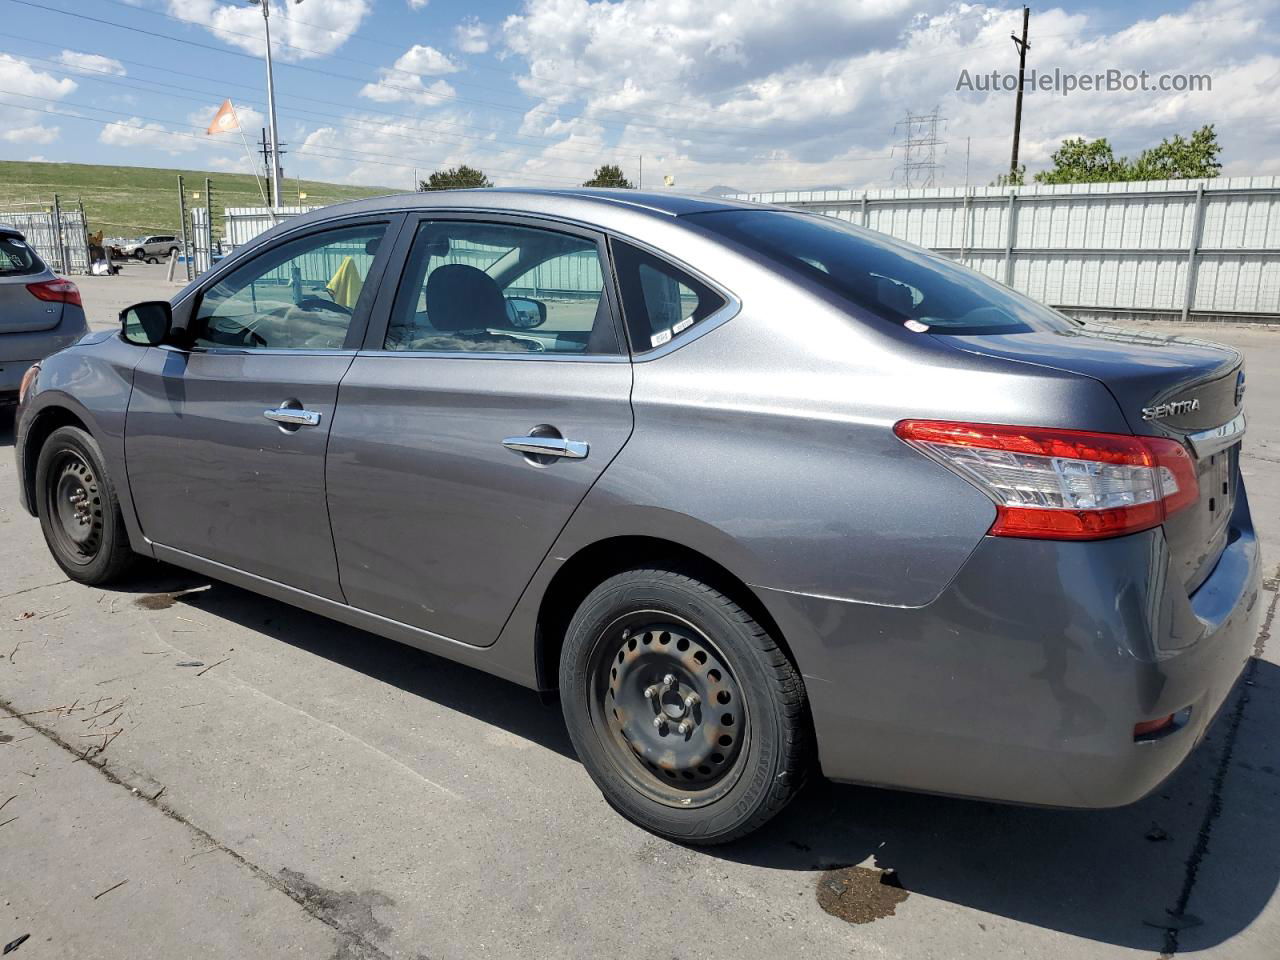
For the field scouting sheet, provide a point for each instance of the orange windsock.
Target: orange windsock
(225, 120)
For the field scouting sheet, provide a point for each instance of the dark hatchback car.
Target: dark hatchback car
(758, 492)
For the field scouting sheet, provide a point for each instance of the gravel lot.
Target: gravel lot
(311, 790)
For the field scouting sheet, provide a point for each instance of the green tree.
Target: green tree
(1085, 161)
(1014, 178)
(609, 175)
(1092, 161)
(1180, 159)
(456, 178)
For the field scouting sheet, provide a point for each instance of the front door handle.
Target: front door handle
(549, 446)
(293, 417)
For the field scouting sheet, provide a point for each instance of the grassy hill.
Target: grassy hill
(128, 201)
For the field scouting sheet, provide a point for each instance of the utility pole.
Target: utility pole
(1023, 47)
(274, 169)
(269, 154)
(640, 179)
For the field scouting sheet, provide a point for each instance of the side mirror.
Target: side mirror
(147, 324)
(525, 313)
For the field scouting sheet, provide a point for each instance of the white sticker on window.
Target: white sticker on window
(915, 326)
(684, 324)
(658, 339)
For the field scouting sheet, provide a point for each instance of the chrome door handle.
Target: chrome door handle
(293, 416)
(549, 446)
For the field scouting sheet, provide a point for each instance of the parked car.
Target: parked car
(40, 312)
(150, 249)
(760, 493)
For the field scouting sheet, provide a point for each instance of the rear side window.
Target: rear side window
(16, 258)
(659, 299)
(896, 281)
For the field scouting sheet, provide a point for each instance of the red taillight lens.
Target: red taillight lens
(1062, 484)
(58, 290)
(1148, 727)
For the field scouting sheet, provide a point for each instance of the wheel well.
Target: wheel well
(47, 421)
(594, 564)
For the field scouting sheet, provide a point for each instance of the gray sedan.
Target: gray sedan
(761, 494)
(40, 312)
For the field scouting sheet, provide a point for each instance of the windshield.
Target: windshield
(899, 282)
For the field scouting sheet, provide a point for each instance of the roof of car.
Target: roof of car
(518, 198)
(10, 228)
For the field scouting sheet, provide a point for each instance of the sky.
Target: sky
(750, 94)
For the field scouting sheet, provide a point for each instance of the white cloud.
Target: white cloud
(36, 133)
(404, 79)
(806, 92)
(32, 91)
(417, 4)
(91, 63)
(320, 28)
(136, 133)
(471, 36)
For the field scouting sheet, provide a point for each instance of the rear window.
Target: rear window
(899, 282)
(659, 299)
(16, 258)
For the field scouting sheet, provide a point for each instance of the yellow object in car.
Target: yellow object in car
(346, 284)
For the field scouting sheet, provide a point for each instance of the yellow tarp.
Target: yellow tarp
(346, 284)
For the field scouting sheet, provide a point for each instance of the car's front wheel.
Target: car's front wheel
(684, 710)
(79, 512)
(139, 255)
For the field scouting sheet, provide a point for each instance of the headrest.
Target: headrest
(460, 297)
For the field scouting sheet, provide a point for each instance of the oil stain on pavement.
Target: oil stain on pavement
(860, 894)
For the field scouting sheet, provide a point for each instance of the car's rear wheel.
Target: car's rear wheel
(79, 512)
(139, 255)
(686, 713)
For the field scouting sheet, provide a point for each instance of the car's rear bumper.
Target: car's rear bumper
(1023, 681)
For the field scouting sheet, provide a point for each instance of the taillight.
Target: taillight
(58, 290)
(1062, 484)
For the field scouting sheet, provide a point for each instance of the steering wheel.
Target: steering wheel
(320, 303)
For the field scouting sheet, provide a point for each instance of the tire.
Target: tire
(139, 255)
(712, 769)
(152, 260)
(78, 509)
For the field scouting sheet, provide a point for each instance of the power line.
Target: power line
(425, 126)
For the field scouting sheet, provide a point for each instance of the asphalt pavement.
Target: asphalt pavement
(190, 770)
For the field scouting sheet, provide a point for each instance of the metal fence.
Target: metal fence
(1170, 249)
(57, 233)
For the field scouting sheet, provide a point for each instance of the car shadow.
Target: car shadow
(1112, 876)
(485, 697)
(7, 426)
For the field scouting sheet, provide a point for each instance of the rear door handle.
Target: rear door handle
(293, 416)
(549, 446)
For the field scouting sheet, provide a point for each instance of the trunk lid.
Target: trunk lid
(21, 311)
(1166, 386)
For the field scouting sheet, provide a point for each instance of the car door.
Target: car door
(227, 427)
(492, 392)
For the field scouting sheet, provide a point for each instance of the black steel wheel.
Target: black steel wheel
(684, 710)
(79, 513)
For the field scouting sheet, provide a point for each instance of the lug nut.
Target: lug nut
(669, 680)
(692, 700)
(650, 692)
(660, 723)
(684, 727)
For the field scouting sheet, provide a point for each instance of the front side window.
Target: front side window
(301, 295)
(659, 299)
(471, 287)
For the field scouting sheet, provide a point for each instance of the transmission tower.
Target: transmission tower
(919, 147)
